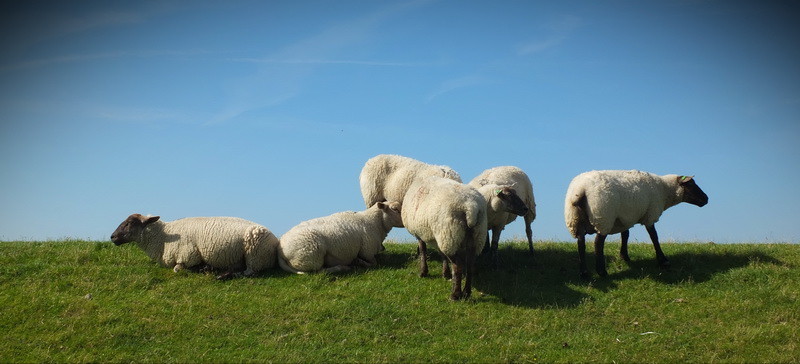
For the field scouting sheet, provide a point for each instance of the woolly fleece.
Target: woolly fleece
(339, 239)
(440, 211)
(617, 200)
(227, 243)
(387, 177)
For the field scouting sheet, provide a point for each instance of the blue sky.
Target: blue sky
(267, 110)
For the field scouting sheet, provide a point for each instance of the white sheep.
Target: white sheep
(610, 202)
(387, 177)
(502, 204)
(336, 242)
(224, 243)
(517, 179)
(452, 215)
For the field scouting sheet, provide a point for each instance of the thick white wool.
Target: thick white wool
(505, 176)
(617, 200)
(338, 239)
(222, 242)
(443, 212)
(387, 177)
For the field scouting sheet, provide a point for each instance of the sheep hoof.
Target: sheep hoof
(455, 296)
(602, 272)
(664, 264)
(585, 275)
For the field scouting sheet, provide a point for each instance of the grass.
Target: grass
(76, 301)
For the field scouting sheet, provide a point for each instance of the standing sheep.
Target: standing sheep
(387, 177)
(225, 243)
(337, 241)
(451, 215)
(610, 202)
(519, 181)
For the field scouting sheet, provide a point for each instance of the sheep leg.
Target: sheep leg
(178, 267)
(457, 273)
(366, 263)
(337, 269)
(446, 272)
(623, 249)
(529, 233)
(486, 246)
(495, 245)
(469, 273)
(423, 261)
(599, 257)
(582, 257)
(662, 260)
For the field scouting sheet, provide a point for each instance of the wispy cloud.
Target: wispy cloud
(455, 84)
(272, 84)
(557, 31)
(331, 62)
(75, 58)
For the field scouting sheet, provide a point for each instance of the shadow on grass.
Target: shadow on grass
(548, 279)
(541, 280)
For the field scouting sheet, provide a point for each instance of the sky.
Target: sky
(267, 110)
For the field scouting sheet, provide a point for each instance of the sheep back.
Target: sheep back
(614, 201)
(443, 212)
(221, 242)
(387, 177)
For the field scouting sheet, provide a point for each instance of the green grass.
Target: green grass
(75, 301)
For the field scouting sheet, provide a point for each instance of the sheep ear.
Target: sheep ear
(682, 180)
(381, 205)
(151, 219)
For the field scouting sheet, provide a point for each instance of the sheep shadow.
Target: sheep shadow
(689, 267)
(541, 280)
(550, 278)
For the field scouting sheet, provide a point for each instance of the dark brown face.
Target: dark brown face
(131, 227)
(511, 200)
(692, 192)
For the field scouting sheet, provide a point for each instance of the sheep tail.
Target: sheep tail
(574, 214)
(285, 266)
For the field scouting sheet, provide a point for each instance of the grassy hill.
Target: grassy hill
(76, 301)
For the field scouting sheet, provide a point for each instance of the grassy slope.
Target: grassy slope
(732, 303)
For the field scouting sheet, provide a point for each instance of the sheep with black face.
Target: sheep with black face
(611, 202)
(224, 243)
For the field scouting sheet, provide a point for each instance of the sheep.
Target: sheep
(333, 243)
(502, 205)
(387, 177)
(519, 181)
(452, 215)
(225, 243)
(610, 202)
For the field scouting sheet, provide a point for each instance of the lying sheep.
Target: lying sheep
(610, 202)
(387, 177)
(223, 243)
(451, 215)
(334, 243)
(517, 179)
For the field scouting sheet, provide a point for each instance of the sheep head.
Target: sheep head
(509, 200)
(391, 213)
(692, 192)
(129, 229)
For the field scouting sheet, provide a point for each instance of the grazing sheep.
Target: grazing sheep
(519, 181)
(451, 215)
(610, 202)
(225, 243)
(387, 177)
(337, 241)
(503, 205)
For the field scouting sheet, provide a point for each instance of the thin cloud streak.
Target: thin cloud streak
(332, 62)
